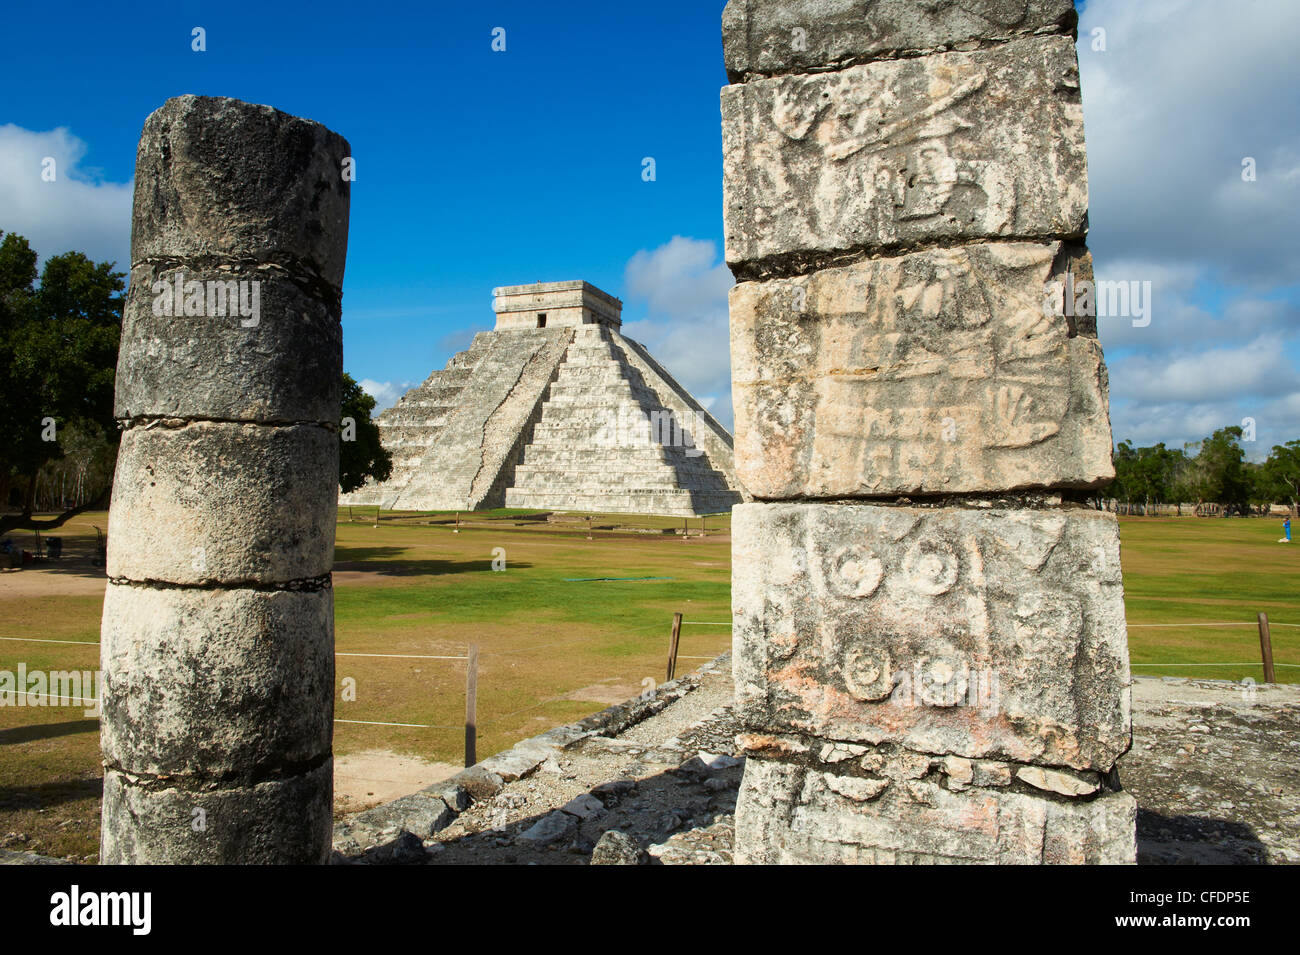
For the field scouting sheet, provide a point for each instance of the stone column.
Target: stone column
(218, 635)
(930, 649)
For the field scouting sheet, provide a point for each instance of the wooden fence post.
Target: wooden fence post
(471, 707)
(672, 647)
(1266, 648)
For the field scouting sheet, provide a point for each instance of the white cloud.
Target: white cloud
(684, 285)
(1183, 93)
(77, 211)
(1176, 424)
(1259, 369)
(1186, 90)
(385, 393)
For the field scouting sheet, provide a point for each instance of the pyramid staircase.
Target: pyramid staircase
(570, 417)
(607, 443)
(410, 428)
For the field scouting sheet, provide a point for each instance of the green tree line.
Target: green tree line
(1211, 471)
(59, 335)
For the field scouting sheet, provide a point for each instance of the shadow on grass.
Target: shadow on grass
(68, 565)
(26, 734)
(388, 561)
(48, 795)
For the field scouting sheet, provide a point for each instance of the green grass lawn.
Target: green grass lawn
(550, 642)
(553, 648)
(1180, 571)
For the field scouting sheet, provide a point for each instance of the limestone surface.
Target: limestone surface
(220, 179)
(218, 502)
(217, 637)
(935, 372)
(282, 362)
(279, 821)
(893, 154)
(608, 442)
(554, 410)
(468, 458)
(1211, 770)
(802, 36)
(978, 633)
(249, 676)
(791, 814)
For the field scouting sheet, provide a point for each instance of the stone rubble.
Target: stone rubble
(657, 782)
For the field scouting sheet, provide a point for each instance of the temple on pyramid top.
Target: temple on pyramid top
(555, 305)
(554, 409)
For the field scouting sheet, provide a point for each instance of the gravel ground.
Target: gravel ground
(1213, 767)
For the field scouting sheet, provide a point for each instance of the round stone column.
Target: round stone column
(218, 631)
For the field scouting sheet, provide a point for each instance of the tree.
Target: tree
(1148, 475)
(361, 455)
(1218, 473)
(58, 358)
(1279, 476)
(58, 361)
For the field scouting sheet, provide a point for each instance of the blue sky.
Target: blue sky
(478, 168)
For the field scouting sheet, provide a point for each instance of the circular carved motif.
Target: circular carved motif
(931, 567)
(867, 674)
(856, 572)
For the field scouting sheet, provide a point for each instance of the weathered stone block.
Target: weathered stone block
(189, 351)
(212, 502)
(220, 178)
(792, 36)
(951, 147)
(284, 821)
(422, 814)
(249, 677)
(934, 372)
(976, 633)
(796, 814)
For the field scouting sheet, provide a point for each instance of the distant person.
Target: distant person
(1286, 530)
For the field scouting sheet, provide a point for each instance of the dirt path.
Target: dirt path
(375, 776)
(70, 577)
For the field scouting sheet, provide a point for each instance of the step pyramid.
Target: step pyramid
(554, 410)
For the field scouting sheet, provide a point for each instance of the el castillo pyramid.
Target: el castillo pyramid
(555, 410)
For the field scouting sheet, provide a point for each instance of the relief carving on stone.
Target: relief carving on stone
(937, 370)
(1011, 614)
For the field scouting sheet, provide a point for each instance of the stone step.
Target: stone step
(603, 372)
(622, 418)
(566, 455)
(666, 502)
(605, 395)
(531, 478)
(579, 354)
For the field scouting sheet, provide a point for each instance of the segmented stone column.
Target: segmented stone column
(218, 631)
(930, 649)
